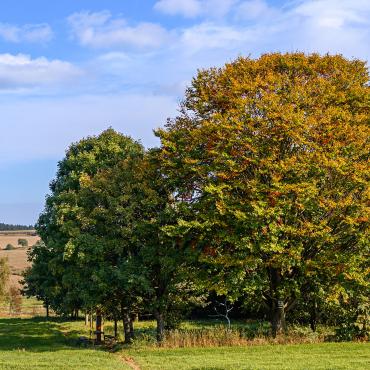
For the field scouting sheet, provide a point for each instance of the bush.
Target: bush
(358, 329)
(23, 242)
(9, 247)
(15, 300)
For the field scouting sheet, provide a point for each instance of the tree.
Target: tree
(4, 277)
(269, 160)
(8, 227)
(61, 227)
(23, 242)
(15, 300)
(38, 280)
(129, 204)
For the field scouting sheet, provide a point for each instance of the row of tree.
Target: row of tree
(258, 194)
(10, 227)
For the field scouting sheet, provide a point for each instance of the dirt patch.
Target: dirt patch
(129, 361)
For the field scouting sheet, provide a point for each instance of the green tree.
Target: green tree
(269, 160)
(38, 280)
(129, 204)
(60, 224)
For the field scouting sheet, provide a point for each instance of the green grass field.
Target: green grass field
(38, 344)
(277, 357)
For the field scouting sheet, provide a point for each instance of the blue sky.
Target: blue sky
(71, 68)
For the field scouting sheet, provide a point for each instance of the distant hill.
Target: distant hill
(7, 227)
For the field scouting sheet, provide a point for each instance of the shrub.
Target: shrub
(9, 247)
(354, 330)
(23, 242)
(15, 300)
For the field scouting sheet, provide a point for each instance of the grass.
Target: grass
(339, 356)
(30, 307)
(40, 344)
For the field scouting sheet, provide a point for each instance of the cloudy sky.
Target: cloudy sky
(72, 68)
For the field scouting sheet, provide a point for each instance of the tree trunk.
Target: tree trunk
(278, 319)
(313, 316)
(115, 328)
(98, 327)
(126, 326)
(278, 322)
(132, 333)
(160, 326)
(47, 309)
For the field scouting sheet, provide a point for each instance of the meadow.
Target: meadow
(17, 258)
(17, 261)
(40, 344)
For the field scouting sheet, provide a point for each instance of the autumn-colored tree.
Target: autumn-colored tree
(269, 160)
(15, 300)
(4, 277)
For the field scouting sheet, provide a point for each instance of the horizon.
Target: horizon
(69, 70)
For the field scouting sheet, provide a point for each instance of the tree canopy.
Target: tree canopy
(269, 157)
(257, 195)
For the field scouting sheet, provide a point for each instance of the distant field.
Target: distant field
(18, 257)
(11, 237)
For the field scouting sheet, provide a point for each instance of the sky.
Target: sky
(69, 69)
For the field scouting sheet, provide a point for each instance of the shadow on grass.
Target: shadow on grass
(34, 335)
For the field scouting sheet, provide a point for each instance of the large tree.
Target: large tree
(61, 223)
(269, 160)
(129, 204)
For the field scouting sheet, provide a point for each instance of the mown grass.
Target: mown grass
(323, 356)
(40, 344)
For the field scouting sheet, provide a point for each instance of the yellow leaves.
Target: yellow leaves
(69, 249)
(85, 180)
(221, 207)
(239, 215)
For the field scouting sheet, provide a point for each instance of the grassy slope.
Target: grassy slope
(36, 344)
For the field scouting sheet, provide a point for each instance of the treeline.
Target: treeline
(257, 197)
(9, 227)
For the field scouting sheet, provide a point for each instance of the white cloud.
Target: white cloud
(195, 8)
(257, 26)
(28, 33)
(101, 30)
(212, 36)
(21, 71)
(187, 8)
